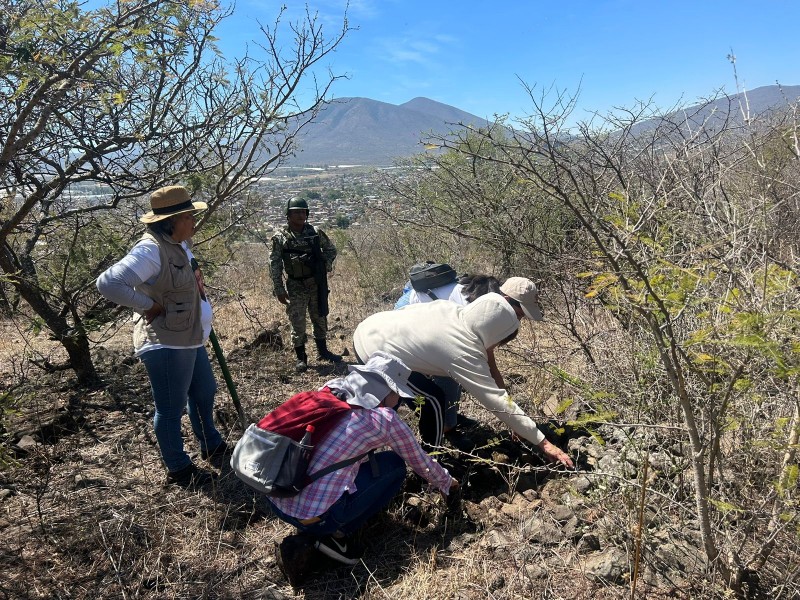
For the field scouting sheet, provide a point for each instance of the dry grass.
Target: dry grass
(85, 513)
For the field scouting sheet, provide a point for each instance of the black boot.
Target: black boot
(324, 353)
(302, 359)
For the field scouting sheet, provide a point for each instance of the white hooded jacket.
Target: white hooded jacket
(443, 338)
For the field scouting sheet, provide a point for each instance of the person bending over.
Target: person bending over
(444, 339)
(464, 290)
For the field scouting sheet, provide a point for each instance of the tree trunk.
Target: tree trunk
(73, 339)
(80, 359)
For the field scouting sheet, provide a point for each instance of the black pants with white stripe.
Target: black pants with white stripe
(431, 409)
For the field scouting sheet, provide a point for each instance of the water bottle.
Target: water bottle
(305, 443)
(306, 447)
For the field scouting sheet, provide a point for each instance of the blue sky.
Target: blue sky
(474, 55)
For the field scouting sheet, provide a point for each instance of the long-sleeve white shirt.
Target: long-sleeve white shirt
(443, 338)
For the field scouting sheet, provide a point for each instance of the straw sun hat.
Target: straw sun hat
(168, 201)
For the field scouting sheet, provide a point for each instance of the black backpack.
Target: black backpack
(430, 275)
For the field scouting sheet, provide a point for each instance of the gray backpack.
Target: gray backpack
(275, 464)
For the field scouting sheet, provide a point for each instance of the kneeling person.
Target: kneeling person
(331, 509)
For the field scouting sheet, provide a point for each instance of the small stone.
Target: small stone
(542, 531)
(27, 443)
(562, 513)
(582, 484)
(496, 539)
(610, 566)
(501, 458)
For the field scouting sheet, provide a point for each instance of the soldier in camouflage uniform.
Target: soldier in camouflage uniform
(293, 252)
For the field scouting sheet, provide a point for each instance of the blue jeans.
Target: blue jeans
(181, 377)
(351, 511)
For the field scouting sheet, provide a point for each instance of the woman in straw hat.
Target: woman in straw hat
(159, 279)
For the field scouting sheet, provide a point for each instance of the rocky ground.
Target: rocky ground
(85, 513)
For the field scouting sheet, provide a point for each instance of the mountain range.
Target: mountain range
(361, 131)
(369, 132)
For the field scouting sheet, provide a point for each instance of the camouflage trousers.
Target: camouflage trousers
(303, 299)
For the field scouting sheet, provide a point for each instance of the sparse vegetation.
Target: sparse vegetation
(676, 279)
(668, 363)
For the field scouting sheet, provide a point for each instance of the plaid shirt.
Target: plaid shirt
(361, 431)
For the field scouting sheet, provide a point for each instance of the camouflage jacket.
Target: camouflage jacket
(292, 253)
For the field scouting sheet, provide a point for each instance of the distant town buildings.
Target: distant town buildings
(335, 194)
(339, 196)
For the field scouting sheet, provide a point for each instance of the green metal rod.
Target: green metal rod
(223, 365)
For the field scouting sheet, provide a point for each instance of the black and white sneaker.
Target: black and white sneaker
(344, 550)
